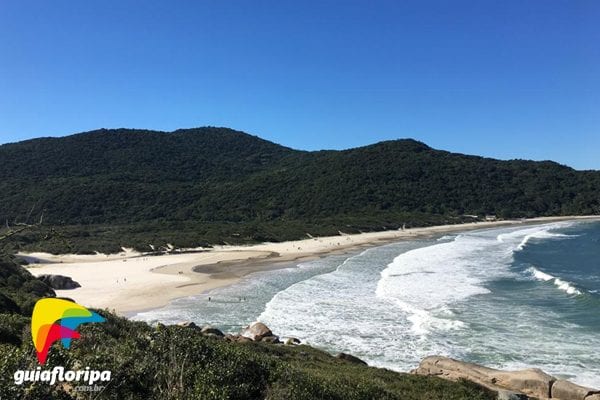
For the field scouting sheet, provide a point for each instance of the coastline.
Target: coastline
(130, 282)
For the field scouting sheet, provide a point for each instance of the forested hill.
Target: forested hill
(193, 186)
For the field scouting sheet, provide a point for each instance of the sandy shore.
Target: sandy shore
(130, 281)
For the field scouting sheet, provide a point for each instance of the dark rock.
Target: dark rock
(271, 339)
(188, 324)
(59, 282)
(350, 358)
(209, 330)
(212, 335)
(231, 338)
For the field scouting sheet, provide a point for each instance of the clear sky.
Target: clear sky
(506, 78)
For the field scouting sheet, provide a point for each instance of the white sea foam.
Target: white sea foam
(421, 282)
(539, 275)
(395, 304)
(340, 311)
(446, 237)
(411, 300)
(424, 322)
(563, 285)
(536, 232)
(541, 235)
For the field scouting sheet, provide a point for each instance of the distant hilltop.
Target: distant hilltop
(215, 185)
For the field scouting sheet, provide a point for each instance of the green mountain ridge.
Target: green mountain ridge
(214, 185)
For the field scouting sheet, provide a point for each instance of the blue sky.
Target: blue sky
(507, 79)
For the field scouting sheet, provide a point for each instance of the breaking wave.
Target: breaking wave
(563, 285)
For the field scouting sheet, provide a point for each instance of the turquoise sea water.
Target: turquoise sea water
(524, 296)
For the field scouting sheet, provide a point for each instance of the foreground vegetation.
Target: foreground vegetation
(111, 188)
(172, 362)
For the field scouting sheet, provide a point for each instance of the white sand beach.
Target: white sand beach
(131, 281)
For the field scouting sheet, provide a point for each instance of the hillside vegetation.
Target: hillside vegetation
(111, 188)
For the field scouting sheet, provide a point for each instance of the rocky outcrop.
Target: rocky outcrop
(509, 384)
(256, 331)
(59, 282)
(188, 324)
(510, 395)
(566, 390)
(208, 330)
(273, 339)
(231, 338)
(533, 382)
(350, 358)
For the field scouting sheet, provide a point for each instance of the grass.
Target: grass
(172, 362)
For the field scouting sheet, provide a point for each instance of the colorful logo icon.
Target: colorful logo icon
(57, 319)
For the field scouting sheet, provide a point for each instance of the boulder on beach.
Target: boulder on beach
(350, 358)
(231, 338)
(188, 324)
(566, 390)
(256, 331)
(273, 339)
(509, 384)
(209, 330)
(533, 382)
(59, 282)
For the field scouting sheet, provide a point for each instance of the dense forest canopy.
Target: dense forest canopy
(210, 185)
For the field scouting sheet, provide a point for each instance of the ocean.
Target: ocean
(510, 298)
